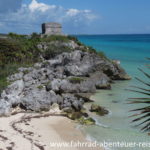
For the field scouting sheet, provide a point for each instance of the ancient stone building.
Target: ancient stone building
(51, 28)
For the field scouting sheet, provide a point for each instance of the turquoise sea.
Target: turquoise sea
(132, 51)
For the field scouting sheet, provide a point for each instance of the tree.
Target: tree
(142, 114)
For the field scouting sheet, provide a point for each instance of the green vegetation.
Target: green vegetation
(40, 87)
(23, 48)
(98, 110)
(48, 83)
(18, 50)
(99, 53)
(102, 54)
(74, 115)
(52, 38)
(81, 117)
(86, 121)
(73, 38)
(7, 70)
(53, 50)
(90, 49)
(76, 80)
(25, 71)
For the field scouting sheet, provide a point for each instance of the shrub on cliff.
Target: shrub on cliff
(51, 38)
(17, 50)
(73, 38)
(75, 80)
(54, 50)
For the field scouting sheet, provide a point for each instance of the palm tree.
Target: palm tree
(142, 114)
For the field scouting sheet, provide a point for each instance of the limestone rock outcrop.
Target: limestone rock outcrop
(59, 80)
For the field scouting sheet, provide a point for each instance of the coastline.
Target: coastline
(65, 80)
(18, 133)
(115, 125)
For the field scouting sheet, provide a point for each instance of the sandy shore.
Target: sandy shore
(37, 132)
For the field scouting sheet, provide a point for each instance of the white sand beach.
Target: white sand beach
(36, 131)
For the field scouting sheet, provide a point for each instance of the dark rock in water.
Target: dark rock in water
(74, 115)
(100, 85)
(99, 110)
(81, 117)
(122, 75)
(114, 71)
(110, 94)
(84, 113)
(86, 121)
(114, 101)
(84, 96)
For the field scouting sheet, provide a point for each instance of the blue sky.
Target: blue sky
(76, 16)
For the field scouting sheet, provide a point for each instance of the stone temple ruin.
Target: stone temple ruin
(51, 28)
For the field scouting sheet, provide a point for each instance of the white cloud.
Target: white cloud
(29, 17)
(39, 6)
(72, 12)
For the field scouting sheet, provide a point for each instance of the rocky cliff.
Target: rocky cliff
(60, 79)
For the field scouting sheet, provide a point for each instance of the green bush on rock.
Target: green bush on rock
(40, 87)
(7, 70)
(74, 115)
(86, 121)
(75, 80)
(54, 50)
(52, 38)
(81, 117)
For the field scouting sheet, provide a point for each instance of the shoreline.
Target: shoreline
(65, 78)
(38, 131)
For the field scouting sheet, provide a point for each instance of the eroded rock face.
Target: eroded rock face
(99, 110)
(59, 80)
(38, 100)
(101, 80)
(13, 92)
(5, 107)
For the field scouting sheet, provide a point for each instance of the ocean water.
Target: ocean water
(132, 51)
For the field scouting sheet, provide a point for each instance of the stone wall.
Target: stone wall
(51, 28)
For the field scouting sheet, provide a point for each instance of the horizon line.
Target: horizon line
(88, 33)
(115, 34)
